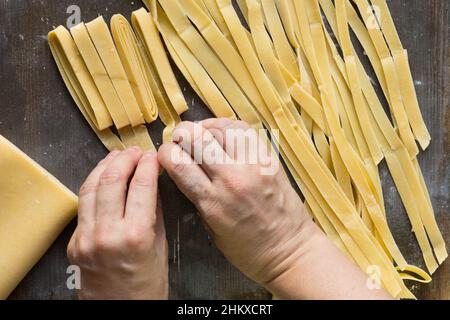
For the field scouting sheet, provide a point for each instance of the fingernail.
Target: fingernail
(176, 138)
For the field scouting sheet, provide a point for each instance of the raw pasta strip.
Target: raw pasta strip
(128, 50)
(410, 175)
(368, 162)
(145, 26)
(346, 98)
(166, 111)
(35, 208)
(307, 43)
(411, 178)
(374, 104)
(376, 109)
(327, 227)
(368, 90)
(223, 79)
(392, 80)
(305, 100)
(137, 137)
(356, 168)
(407, 195)
(202, 5)
(361, 33)
(422, 181)
(225, 51)
(323, 148)
(336, 127)
(183, 68)
(281, 43)
(299, 171)
(390, 134)
(214, 98)
(364, 185)
(416, 274)
(308, 157)
(341, 173)
(242, 7)
(95, 107)
(353, 80)
(74, 72)
(286, 9)
(321, 56)
(299, 175)
(271, 65)
(313, 196)
(341, 238)
(423, 205)
(141, 137)
(397, 108)
(214, 11)
(102, 39)
(99, 75)
(200, 18)
(408, 90)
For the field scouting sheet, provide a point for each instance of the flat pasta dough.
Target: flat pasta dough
(35, 208)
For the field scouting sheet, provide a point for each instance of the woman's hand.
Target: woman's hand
(254, 215)
(255, 218)
(120, 242)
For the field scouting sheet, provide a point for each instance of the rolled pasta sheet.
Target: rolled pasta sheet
(78, 80)
(145, 26)
(100, 76)
(102, 39)
(128, 49)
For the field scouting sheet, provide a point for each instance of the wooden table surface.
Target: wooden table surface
(39, 116)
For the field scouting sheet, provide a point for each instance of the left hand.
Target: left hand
(120, 242)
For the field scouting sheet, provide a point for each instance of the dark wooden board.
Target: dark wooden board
(39, 116)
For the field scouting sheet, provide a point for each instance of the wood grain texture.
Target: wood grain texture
(39, 116)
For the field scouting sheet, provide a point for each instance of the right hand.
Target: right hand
(257, 221)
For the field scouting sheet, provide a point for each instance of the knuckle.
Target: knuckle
(242, 124)
(266, 179)
(179, 168)
(111, 176)
(87, 188)
(103, 243)
(84, 249)
(210, 209)
(236, 185)
(203, 192)
(71, 252)
(142, 182)
(138, 239)
(183, 128)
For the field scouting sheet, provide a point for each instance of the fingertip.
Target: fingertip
(163, 150)
(137, 151)
(112, 154)
(164, 153)
(150, 157)
(216, 123)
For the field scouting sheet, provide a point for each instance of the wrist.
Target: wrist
(286, 284)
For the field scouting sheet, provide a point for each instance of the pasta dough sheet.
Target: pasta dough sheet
(35, 208)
